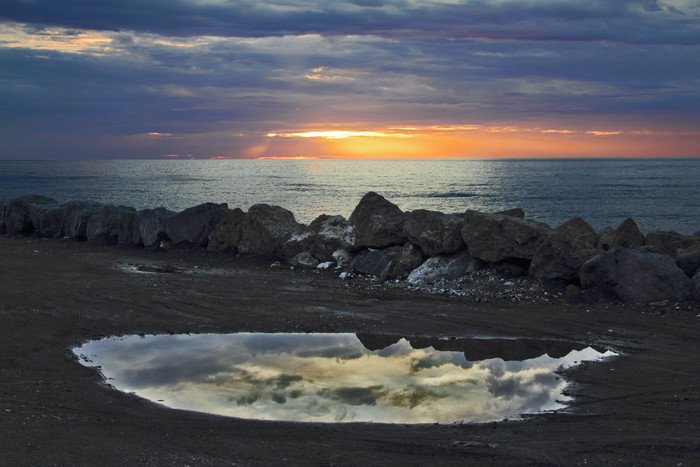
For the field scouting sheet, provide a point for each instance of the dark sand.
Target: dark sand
(642, 408)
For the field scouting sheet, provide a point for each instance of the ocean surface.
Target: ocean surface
(659, 194)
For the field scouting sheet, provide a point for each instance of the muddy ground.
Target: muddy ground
(641, 408)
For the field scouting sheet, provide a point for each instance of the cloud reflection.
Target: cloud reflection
(328, 378)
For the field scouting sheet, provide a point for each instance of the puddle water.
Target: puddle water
(340, 377)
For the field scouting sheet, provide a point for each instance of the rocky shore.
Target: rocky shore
(473, 254)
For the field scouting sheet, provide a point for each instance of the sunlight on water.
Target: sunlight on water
(335, 377)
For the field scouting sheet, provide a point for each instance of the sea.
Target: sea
(658, 193)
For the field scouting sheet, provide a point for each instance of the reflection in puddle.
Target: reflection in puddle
(334, 377)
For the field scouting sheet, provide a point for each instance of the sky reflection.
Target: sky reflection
(328, 378)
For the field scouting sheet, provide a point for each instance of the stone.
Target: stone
(605, 238)
(370, 262)
(434, 232)
(696, 285)
(304, 260)
(331, 233)
(193, 225)
(445, 267)
(573, 294)
(227, 234)
(377, 223)
(265, 229)
(342, 258)
(76, 216)
(3, 209)
(628, 235)
(560, 257)
(514, 212)
(667, 243)
(114, 225)
(689, 259)
(496, 237)
(22, 214)
(152, 225)
(48, 221)
(636, 277)
(580, 232)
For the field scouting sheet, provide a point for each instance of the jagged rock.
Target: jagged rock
(332, 233)
(76, 216)
(666, 243)
(342, 258)
(636, 277)
(304, 260)
(228, 232)
(689, 259)
(514, 212)
(696, 284)
(408, 259)
(496, 237)
(193, 225)
(377, 223)
(152, 225)
(580, 232)
(22, 214)
(560, 257)
(3, 209)
(114, 224)
(444, 267)
(370, 262)
(605, 238)
(628, 235)
(266, 228)
(434, 232)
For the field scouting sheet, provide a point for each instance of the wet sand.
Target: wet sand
(641, 408)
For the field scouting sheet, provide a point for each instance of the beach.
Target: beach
(639, 408)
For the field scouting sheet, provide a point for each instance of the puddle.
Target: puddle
(341, 377)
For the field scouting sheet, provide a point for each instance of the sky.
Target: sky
(81, 79)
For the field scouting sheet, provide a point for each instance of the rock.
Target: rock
(342, 258)
(666, 243)
(696, 284)
(605, 238)
(193, 225)
(266, 228)
(408, 259)
(228, 232)
(434, 232)
(152, 225)
(48, 221)
(370, 262)
(628, 235)
(573, 294)
(443, 267)
(636, 277)
(304, 260)
(689, 259)
(377, 223)
(496, 237)
(76, 216)
(114, 225)
(560, 257)
(514, 212)
(331, 233)
(3, 209)
(580, 232)
(22, 214)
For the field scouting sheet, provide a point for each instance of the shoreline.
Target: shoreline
(641, 408)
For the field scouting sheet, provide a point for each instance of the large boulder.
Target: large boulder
(152, 225)
(560, 257)
(3, 208)
(22, 214)
(193, 225)
(265, 230)
(114, 225)
(689, 259)
(331, 233)
(370, 262)
(628, 235)
(497, 237)
(636, 277)
(227, 234)
(667, 243)
(48, 221)
(76, 216)
(408, 259)
(377, 223)
(444, 267)
(605, 238)
(579, 232)
(434, 232)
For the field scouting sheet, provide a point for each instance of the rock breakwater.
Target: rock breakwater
(419, 248)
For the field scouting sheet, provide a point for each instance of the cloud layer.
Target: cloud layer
(216, 78)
